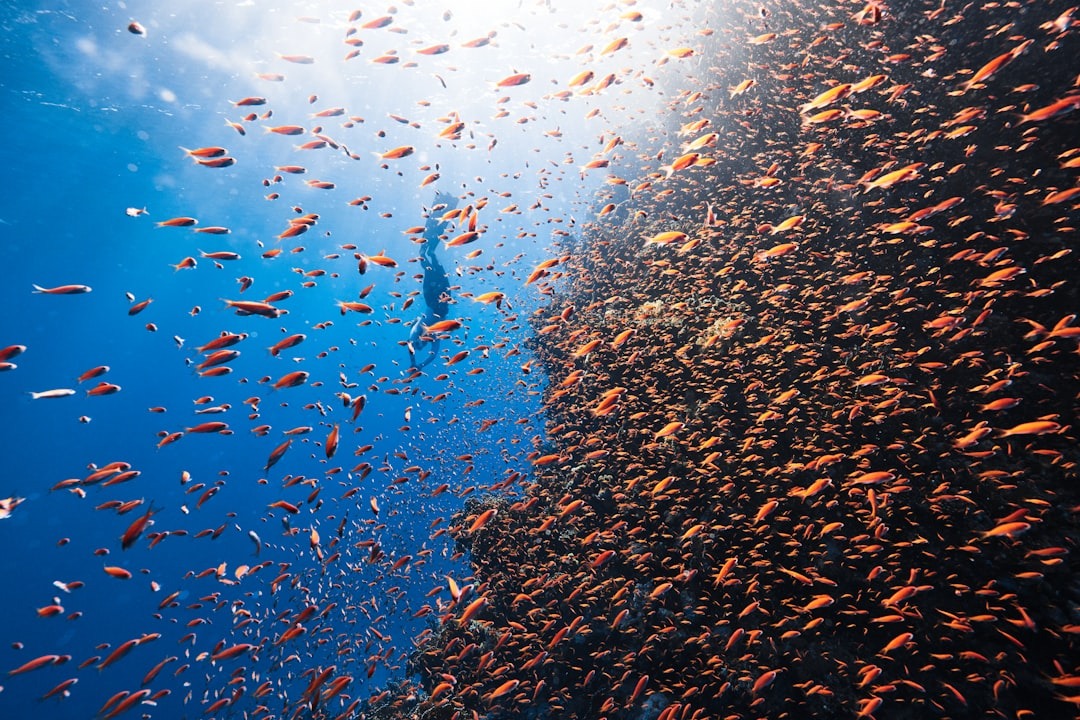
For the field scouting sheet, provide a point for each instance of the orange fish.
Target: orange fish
(178, 222)
(286, 130)
(434, 49)
(63, 290)
(463, 239)
(205, 152)
(276, 454)
(220, 162)
(670, 429)
(471, 609)
(1038, 427)
(667, 237)
(290, 341)
(378, 22)
(381, 260)
(248, 307)
(103, 388)
(615, 45)
(38, 662)
(514, 80)
(346, 306)
(293, 379)
(994, 66)
(213, 426)
(137, 528)
(505, 689)
(93, 373)
(740, 88)
(219, 255)
(828, 97)
(398, 152)
(481, 520)
(232, 652)
(443, 326)
(1053, 110)
(117, 572)
(897, 642)
(490, 297)
(332, 442)
(1010, 530)
(763, 681)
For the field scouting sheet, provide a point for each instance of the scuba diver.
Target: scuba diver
(436, 288)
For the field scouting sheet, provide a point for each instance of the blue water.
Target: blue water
(95, 117)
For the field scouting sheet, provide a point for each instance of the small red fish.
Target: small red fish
(62, 290)
(514, 80)
(293, 379)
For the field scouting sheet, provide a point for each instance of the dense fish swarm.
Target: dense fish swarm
(811, 396)
(811, 413)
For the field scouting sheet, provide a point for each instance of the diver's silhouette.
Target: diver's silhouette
(436, 289)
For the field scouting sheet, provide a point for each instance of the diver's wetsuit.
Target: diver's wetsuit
(436, 291)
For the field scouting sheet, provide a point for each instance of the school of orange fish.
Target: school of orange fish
(812, 373)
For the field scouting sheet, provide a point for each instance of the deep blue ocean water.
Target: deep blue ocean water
(95, 120)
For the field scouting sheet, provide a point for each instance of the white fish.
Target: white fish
(257, 540)
(57, 393)
(7, 505)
